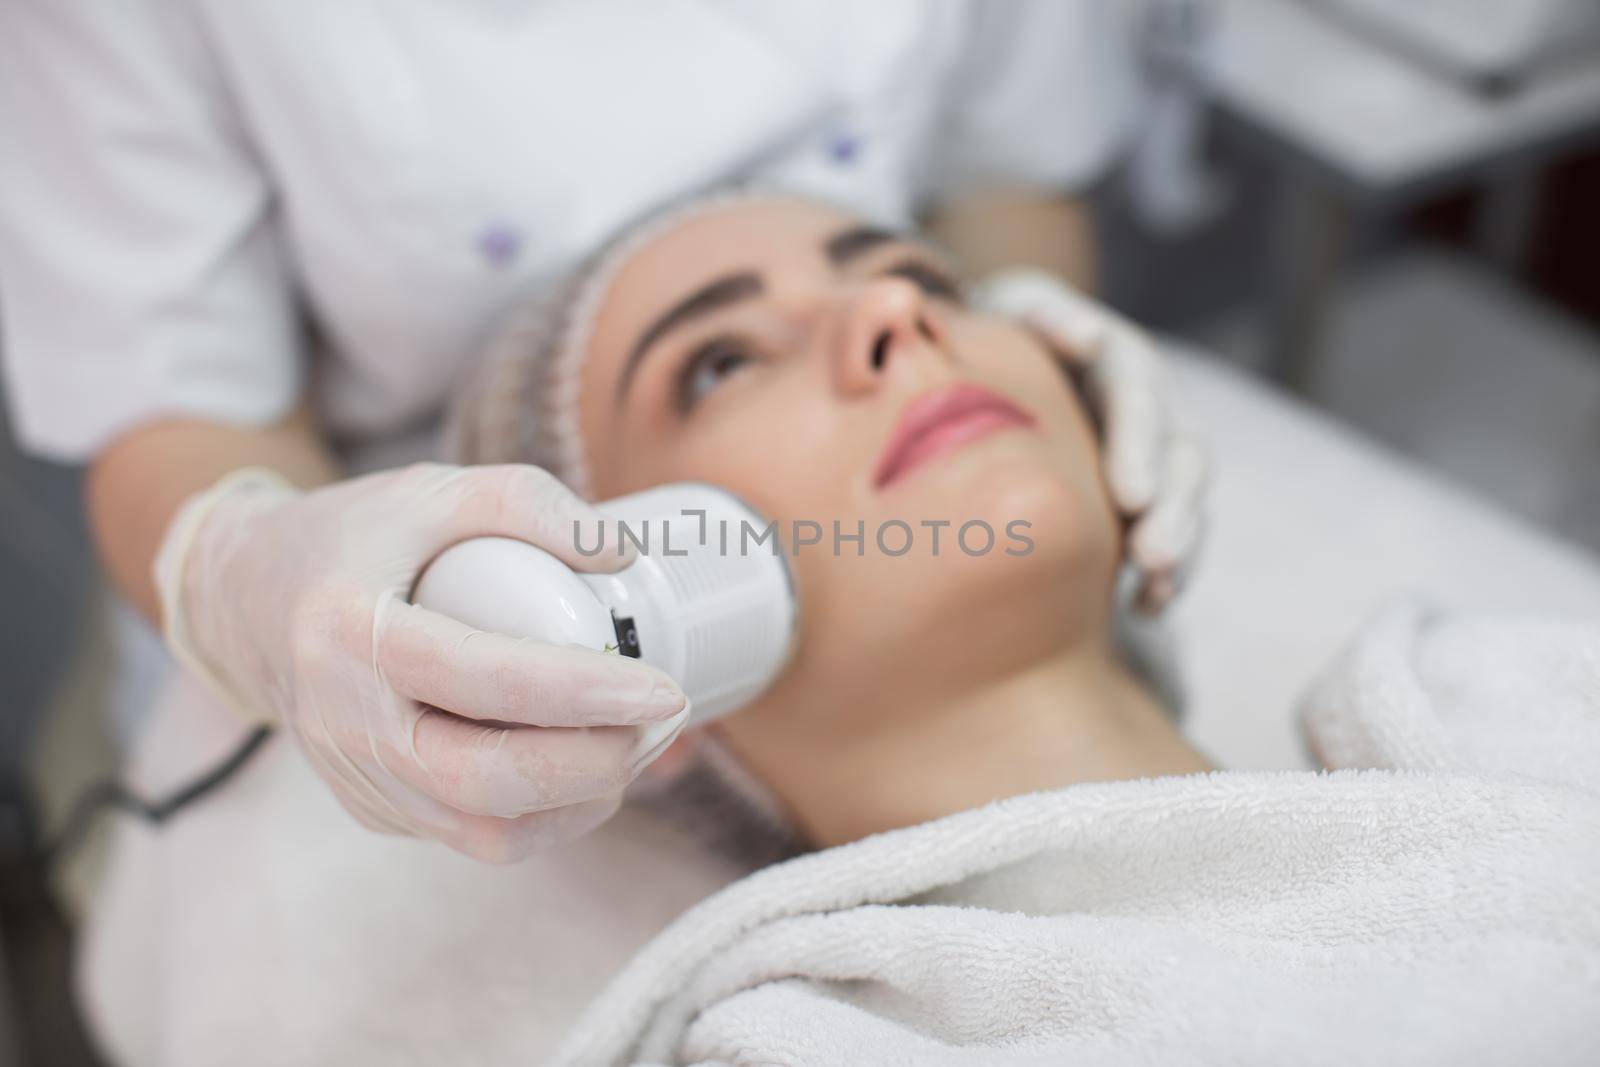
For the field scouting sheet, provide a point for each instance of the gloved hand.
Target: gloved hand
(1156, 474)
(294, 604)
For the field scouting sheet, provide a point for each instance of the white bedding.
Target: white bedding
(1313, 529)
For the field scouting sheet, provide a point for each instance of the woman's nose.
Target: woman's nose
(886, 321)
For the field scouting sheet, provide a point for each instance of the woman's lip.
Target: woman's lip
(940, 422)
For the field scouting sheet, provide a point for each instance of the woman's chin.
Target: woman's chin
(1002, 552)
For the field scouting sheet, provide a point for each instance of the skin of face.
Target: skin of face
(793, 394)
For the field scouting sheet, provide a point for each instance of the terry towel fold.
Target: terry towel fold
(1441, 905)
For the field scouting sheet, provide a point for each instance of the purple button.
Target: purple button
(499, 244)
(844, 148)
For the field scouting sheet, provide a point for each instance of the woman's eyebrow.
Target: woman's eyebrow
(726, 290)
(846, 245)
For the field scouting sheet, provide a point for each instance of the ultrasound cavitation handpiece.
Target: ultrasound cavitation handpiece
(712, 607)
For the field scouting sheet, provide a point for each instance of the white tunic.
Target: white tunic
(213, 208)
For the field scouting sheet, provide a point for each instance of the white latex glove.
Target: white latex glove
(295, 605)
(1157, 475)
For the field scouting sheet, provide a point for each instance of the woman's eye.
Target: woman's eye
(709, 366)
(930, 279)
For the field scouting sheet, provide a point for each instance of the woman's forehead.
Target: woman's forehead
(741, 236)
(761, 236)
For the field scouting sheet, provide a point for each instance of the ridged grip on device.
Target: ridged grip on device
(717, 613)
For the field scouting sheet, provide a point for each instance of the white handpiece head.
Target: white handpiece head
(705, 601)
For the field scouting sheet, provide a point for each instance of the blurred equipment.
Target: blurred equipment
(1489, 43)
(1172, 191)
(1354, 126)
(46, 572)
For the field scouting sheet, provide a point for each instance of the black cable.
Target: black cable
(112, 793)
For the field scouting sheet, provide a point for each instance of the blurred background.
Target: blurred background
(1390, 210)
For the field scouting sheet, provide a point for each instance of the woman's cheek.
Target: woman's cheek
(761, 450)
(765, 477)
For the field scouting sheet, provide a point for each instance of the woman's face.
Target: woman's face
(829, 373)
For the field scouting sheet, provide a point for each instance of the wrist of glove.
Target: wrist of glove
(294, 605)
(251, 488)
(1155, 472)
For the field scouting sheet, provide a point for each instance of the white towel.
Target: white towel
(1444, 908)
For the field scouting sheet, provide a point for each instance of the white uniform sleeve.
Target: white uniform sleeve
(139, 274)
(1046, 93)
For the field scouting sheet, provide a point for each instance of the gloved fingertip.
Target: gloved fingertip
(1154, 595)
(655, 738)
(622, 558)
(632, 693)
(599, 545)
(1148, 544)
(1133, 487)
(1132, 464)
(1080, 341)
(1165, 540)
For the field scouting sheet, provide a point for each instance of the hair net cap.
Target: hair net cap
(521, 404)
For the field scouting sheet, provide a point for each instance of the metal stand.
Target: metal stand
(1312, 221)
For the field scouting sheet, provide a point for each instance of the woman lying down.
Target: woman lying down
(981, 839)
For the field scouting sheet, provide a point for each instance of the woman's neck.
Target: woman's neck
(1076, 717)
